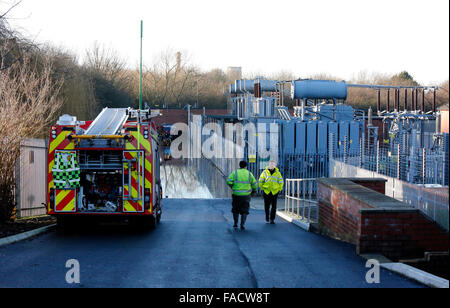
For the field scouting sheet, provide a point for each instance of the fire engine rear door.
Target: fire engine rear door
(133, 181)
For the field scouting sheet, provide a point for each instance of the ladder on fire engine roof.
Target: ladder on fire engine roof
(108, 122)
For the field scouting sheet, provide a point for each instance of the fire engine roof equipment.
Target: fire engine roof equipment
(108, 122)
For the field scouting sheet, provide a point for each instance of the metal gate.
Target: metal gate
(301, 199)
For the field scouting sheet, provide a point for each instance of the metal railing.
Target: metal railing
(301, 199)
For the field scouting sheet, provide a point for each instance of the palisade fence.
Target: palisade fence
(213, 171)
(416, 176)
(418, 165)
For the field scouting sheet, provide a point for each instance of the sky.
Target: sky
(304, 37)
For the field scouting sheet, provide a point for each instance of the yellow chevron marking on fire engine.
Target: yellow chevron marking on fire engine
(70, 146)
(60, 138)
(129, 146)
(61, 196)
(145, 143)
(129, 207)
(134, 192)
(147, 165)
(70, 206)
(142, 142)
(148, 147)
(50, 166)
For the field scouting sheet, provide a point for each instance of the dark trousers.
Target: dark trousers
(269, 200)
(240, 205)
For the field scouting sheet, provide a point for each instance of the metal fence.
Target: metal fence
(293, 166)
(301, 199)
(212, 176)
(433, 202)
(417, 165)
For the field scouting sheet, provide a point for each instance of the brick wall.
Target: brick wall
(375, 223)
(402, 234)
(338, 214)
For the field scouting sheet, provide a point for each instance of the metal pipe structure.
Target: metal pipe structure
(413, 107)
(396, 105)
(406, 100)
(423, 101)
(388, 100)
(371, 86)
(379, 101)
(434, 100)
(416, 98)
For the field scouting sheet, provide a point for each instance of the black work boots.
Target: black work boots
(236, 219)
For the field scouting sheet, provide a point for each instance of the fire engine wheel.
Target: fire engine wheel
(152, 222)
(158, 213)
(158, 217)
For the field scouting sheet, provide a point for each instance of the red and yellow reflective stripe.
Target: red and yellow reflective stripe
(59, 143)
(65, 200)
(130, 205)
(145, 145)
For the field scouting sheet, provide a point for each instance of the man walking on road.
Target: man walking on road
(243, 184)
(271, 183)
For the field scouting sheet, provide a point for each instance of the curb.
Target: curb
(416, 274)
(304, 225)
(402, 269)
(410, 272)
(24, 235)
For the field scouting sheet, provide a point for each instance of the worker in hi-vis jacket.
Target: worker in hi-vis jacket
(243, 184)
(271, 183)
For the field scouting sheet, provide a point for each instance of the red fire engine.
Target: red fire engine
(108, 167)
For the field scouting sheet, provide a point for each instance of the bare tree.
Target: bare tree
(28, 103)
(170, 80)
(106, 62)
(12, 44)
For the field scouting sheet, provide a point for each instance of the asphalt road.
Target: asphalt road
(194, 246)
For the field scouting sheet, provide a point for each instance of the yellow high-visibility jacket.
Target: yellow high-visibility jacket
(271, 183)
(242, 182)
